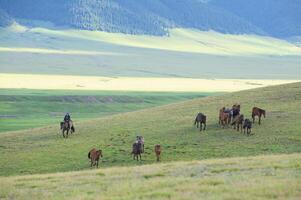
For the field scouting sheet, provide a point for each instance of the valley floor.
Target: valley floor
(260, 177)
(59, 82)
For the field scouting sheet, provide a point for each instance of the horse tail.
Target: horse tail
(72, 128)
(196, 120)
(89, 155)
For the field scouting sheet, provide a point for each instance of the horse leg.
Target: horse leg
(204, 126)
(259, 121)
(197, 124)
(97, 163)
(91, 163)
(201, 126)
(140, 156)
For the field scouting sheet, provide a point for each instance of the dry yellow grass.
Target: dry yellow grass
(261, 177)
(30, 81)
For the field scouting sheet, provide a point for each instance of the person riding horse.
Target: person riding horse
(67, 119)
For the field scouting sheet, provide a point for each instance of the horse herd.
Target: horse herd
(227, 116)
(232, 116)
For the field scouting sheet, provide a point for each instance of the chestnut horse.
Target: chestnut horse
(200, 119)
(224, 119)
(257, 112)
(158, 151)
(94, 155)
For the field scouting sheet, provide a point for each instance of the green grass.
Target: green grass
(21, 109)
(186, 53)
(43, 150)
(262, 177)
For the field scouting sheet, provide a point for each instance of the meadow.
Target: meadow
(43, 150)
(26, 108)
(259, 177)
(184, 53)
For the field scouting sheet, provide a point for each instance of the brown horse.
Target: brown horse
(158, 151)
(94, 155)
(238, 122)
(137, 150)
(247, 125)
(67, 126)
(199, 120)
(224, 119)
(257, 112)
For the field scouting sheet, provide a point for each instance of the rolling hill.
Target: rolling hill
(260, 177)
(43, 150)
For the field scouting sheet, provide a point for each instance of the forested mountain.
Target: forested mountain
(155, 17)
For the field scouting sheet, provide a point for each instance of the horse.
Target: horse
(200, 119)
(141, 140)
(224, 119)
(257, 112)
(66, 126)
(247, 125)
(235, 111)
(94, 155)
(137, 150)
(224, 110)
(238, 122)
(158, 151)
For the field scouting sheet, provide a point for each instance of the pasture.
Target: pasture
(43, 150)
(185, 53)
(260, 177)
(26, 108)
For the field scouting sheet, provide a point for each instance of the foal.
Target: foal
(257, 112)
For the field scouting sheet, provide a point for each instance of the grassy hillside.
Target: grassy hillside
(185, 53)
(262, 177)
(43, 150)
(21, 109)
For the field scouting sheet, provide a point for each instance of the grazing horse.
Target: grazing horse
(238, 122)
(224, 119)
(247, 125)
(200, 119)
(66, 126)
(94, 155)
(137, 150)
(257, 112)
(158, 151)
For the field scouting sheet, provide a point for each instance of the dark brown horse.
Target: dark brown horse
(257, 112)
(94, 156)
(67, 126)
(238, 122)
(137, 150)
(247, 125)
(199, 120)
(158, 151)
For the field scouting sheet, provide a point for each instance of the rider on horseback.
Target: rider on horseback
(67, 118)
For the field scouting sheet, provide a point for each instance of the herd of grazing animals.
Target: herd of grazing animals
(233, 117)
(226, 117)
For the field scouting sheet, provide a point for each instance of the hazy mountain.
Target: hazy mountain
(280, 18)
(5, 19)
(156, 16)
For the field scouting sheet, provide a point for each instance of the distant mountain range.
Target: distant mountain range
(277, 18)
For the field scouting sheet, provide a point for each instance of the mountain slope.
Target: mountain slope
(129, 16)
(171, 126)
(278, 18)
